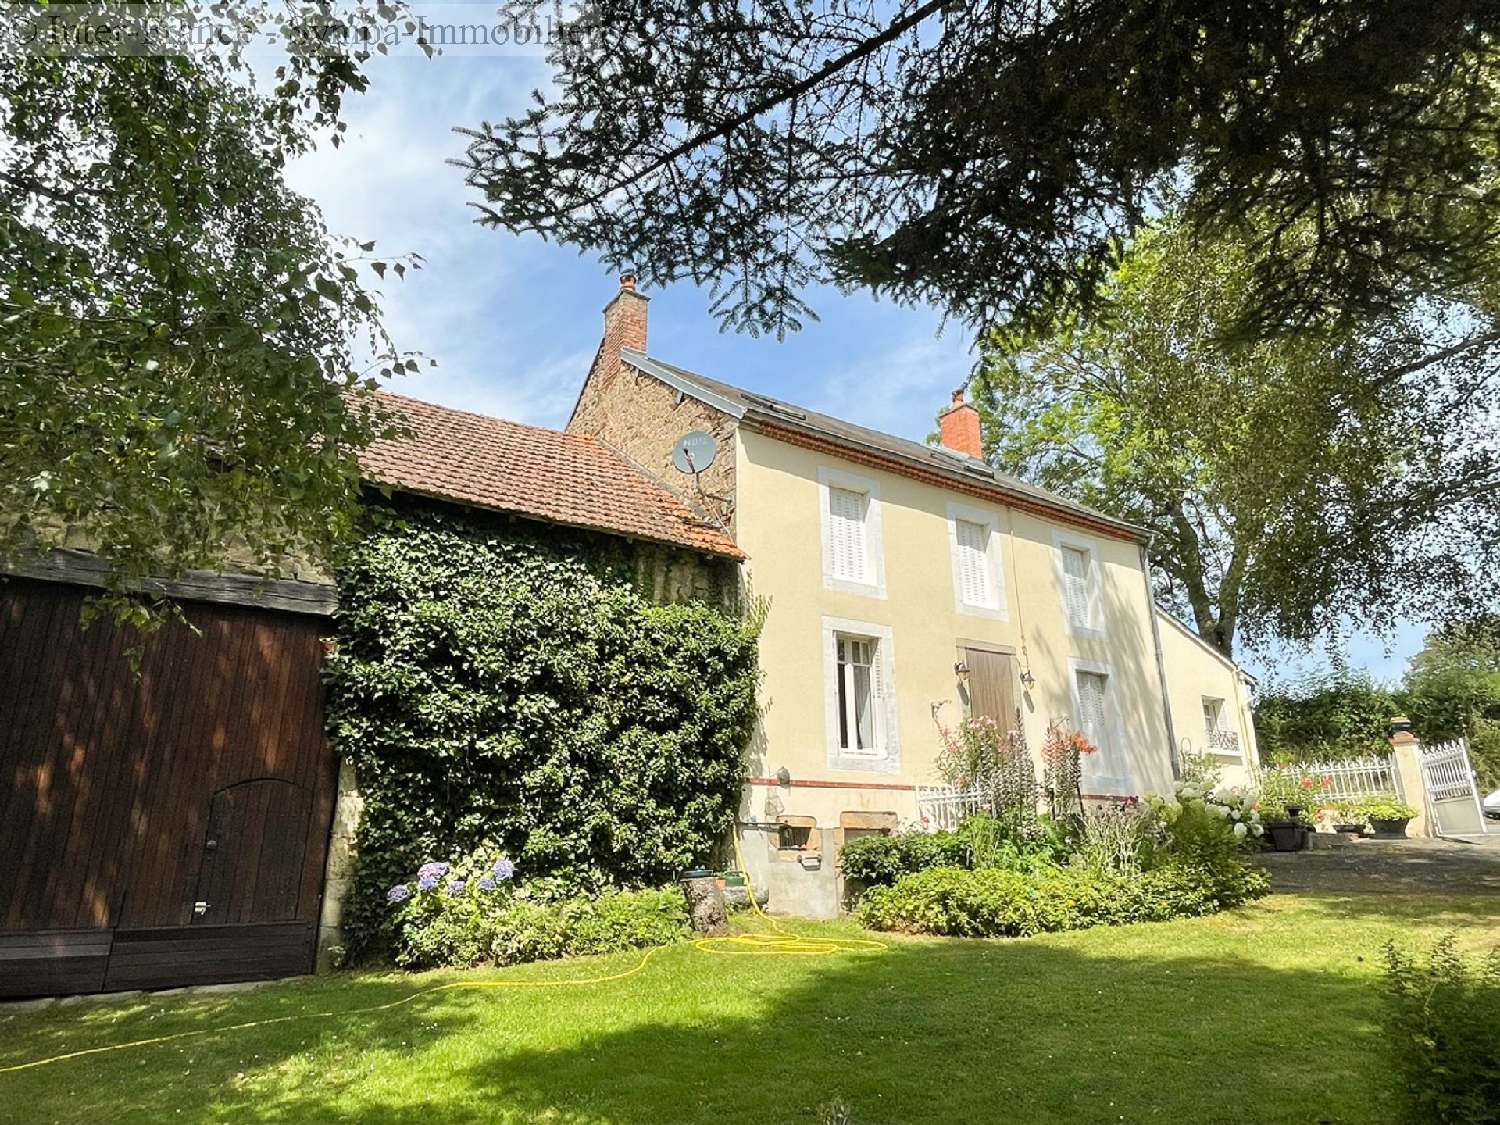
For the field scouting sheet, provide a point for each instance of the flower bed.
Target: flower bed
(472, 912)
(1169, 857)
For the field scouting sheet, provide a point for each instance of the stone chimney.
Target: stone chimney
(958, 427)
(624, 326)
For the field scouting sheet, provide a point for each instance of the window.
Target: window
(850, 556)
(1217, 738)
(1076, 585)
(859, 697)
(1213, 715)
(973, 545)
(1106, 770)
(851, 534)
(978, 580)
(1078, 577)
(1092, 687)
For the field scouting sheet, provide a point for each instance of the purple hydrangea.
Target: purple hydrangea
(399, 893)
(426, 882)
(487, 883)
(504, 869)
(432, 870)
(456, 887)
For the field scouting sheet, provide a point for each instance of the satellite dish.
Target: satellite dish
(694, 452)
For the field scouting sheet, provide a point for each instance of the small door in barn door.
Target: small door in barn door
(992, 686)
(253, 853)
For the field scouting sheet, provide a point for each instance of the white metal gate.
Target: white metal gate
(1452, 789)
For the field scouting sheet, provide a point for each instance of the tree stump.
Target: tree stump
(705, 903)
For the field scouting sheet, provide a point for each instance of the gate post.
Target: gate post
(1406, 769)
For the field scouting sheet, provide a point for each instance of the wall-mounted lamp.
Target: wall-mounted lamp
(961, 670)
(783, 776)
(1028, 681)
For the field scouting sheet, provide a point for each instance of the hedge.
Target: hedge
(995, 902)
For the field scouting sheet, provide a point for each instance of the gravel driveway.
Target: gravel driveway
(1397, 866)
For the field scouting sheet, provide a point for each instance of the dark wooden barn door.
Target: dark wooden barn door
(253, 853)
(992, 686)
(113, 780)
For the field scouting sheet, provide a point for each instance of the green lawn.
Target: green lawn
(1265, 1014)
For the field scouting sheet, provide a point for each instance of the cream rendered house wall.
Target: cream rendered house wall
(779, 525)
(1195, 671)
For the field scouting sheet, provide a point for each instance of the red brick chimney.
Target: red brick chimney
(958, 427)
(624, 326)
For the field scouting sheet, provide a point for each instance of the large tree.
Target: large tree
(989, 156)
(1289, 485)
(184, 348)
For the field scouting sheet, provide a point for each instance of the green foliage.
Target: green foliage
(993, 902)
(1199, 826)
(466, 917)
(1278, 502)
(1341, 714)
(185, 350)
(1440, 1034)
(981, 161)
(881, 860)
(1452, 690)
(981, 840)
(1385, 808)
(497, 684)
(1284, 787)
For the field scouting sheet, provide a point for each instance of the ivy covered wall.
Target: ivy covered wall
(513, 682)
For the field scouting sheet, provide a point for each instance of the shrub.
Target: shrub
(1385, 808)
(992, 902)
(470, 912)
(1202, 826)
(881, 860)
(490, 682)
(1441, 1021)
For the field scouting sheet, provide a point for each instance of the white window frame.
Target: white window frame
(1218, 715)
(887, 757)
(1095, 625)
(990, 521)
(1118, 782)
(874, 541)
(1238, 754)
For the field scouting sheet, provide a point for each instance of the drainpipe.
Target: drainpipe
(1161, 662)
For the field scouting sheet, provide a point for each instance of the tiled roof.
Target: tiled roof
(960, 468)
(545, 474)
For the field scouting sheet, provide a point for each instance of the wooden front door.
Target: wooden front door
(113, 777)
(992, 687)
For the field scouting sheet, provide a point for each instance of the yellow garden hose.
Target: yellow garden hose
(780, 942)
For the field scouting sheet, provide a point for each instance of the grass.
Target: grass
(1265, 1014)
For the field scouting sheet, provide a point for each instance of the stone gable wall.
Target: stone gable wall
(641, 417)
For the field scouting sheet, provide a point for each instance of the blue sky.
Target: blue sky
(513, 322)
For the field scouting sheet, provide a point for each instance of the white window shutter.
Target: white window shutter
(847, 538)
(972, 542)
(1091, 706)
(1076, 585)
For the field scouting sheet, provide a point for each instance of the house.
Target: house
(190, 824)
(908, 585)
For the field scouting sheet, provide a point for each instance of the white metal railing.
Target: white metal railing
(1349, 779)
(1446, 770)
(1222, 741)
(941, 807)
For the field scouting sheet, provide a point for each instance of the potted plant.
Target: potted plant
(1387, 816)
(1347, 818)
